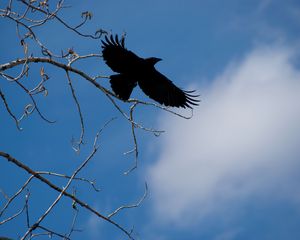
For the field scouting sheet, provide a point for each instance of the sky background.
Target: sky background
(229, 173)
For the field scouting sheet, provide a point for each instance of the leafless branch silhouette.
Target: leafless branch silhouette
(28, 17)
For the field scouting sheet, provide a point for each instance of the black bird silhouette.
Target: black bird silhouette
(133, 69)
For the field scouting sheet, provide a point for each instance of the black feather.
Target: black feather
(133, 69)
(122, 85)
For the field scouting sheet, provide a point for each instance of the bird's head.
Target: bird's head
(153, 60)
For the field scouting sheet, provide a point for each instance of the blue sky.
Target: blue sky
(229, 173)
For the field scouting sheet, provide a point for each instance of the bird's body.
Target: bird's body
(134, 70)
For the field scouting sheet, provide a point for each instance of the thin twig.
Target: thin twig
(34, 103)
(80, 142)
(13, 216)
(167, 109)
(97, 35)
(93, 183)
(131, 206)
(135, 149)
(18, 213)
(37, 223)
(108, 93)
(10, 200)
(4, 195)
(50, 233)
(72, 229)
(78, 57)
(65, 193)
(8, 110)
(27, 209)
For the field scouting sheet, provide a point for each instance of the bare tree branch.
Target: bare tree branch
(92, 182)
(18, 213)
(29, 16)
(8, 110)
(80, 141)
(62, 192)
(135, 149)
(130, 206)
(98, 34)
(10, 200)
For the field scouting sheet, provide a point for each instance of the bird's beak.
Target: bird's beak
(157, 60)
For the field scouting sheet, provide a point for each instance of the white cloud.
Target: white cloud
(242, 143)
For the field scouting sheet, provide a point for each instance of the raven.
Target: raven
(134, 70)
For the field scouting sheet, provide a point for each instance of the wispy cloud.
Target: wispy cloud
(94, 227)
(263, 5)
(242, 144)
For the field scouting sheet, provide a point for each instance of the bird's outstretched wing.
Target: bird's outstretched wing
(117, 57)
(134, 69)
(122, 85)
(161, 89)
